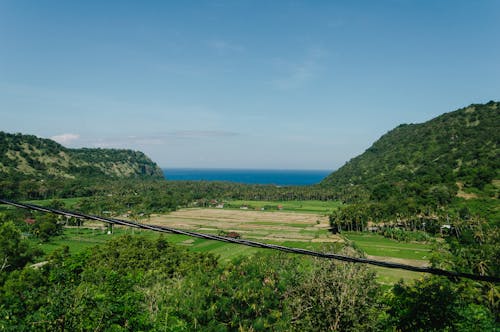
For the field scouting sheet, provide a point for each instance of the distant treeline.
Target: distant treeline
(153, 195)
(163, 196)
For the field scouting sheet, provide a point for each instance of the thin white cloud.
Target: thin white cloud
(161, 139)
(65, 139)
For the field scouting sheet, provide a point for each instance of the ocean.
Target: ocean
(248, 176)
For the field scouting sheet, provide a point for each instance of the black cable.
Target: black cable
(251, 243)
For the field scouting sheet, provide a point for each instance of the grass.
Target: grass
(387, 276)
(377, 245)
(290, 233)
(80, 239)
(321, 207)
(68, 202)
(385, 249)
(273, 223)
(76, 239)
(263, 226)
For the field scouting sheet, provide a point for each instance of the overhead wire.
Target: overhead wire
(164, 229)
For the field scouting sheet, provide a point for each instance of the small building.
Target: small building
(233, 235)
(445, 229)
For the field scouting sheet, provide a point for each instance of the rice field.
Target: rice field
(377, 247)
(321, 207)
(277, 227)
(292, 229)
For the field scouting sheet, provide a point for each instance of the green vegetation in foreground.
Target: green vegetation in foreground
(140, 284)
(377, 245)
(79, 239)
(313, 206)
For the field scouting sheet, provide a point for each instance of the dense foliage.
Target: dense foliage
(14, 252)
(149, 196)
(136, 284)
(27, 157)
(428, 163)
(131, 283)
(355, 217)
(436, 304)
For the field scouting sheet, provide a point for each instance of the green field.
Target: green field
(68, 202)
(377, 245)
(407, 253)
(83, 238)
(372, 244)
(80, 239)
(322, 207)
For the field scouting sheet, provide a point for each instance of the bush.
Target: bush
(335, 297)
(403, 235)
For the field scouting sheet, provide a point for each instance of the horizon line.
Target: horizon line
(247, 169)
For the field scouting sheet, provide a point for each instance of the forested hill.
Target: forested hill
(39, 158)
(434, 160)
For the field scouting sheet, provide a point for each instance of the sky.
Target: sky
(241, 84)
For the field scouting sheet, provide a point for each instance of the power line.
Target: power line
(256, 244)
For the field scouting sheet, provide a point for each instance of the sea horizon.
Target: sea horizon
(280, 177)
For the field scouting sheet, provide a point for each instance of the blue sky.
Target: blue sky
(241, 84)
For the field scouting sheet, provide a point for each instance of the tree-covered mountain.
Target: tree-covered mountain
(432, 162)
(39, 158)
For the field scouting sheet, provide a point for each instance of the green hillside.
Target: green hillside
(454, 154)
(38, 158)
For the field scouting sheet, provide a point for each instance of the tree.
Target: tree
(47, 226)
(14, 251)
(335, 297)
(436, 304)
